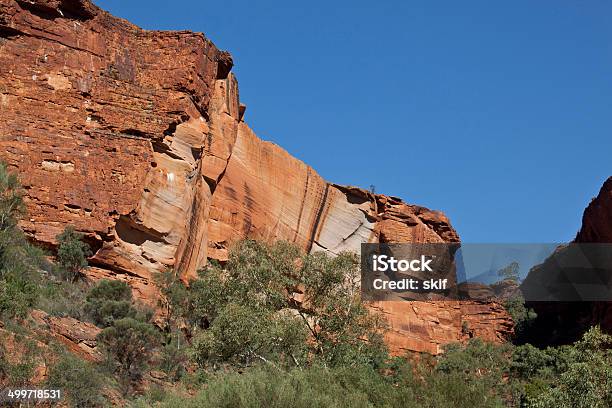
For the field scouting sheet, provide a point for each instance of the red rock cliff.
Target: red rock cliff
(137, 138)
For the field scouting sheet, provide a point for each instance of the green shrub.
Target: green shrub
(451, 390)
(19, 373)
(247, 335)
(17, 295)
(486, 362)
(109, 300)
(528, 361)
(312, 387)
(110, 290)
(78, 380)
(174, 299)
(174, 357)
(128, 345)
(477, 374)
(59, 298)
(474, 374)
(72, 253)
(586, 380)
(20, 262)
(12, 207)
(522, 316)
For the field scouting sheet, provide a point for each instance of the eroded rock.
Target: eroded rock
(78, 337)
(138, 139)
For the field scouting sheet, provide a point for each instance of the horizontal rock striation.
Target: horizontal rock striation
(138, 139)
(78, 337)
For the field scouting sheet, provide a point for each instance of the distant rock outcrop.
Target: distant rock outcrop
(565, 322)
(138, 139)
(597, 218)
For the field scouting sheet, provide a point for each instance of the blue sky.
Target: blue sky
(498, 113)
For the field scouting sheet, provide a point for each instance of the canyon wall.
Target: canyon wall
(565, 322)
(597, 217)
(138, 139)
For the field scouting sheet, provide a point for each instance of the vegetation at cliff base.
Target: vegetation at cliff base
(79, 379)
(274, 325)
(475, 375)
(273, 304)
(128, 345)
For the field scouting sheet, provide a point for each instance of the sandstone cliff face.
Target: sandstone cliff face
(78, 337)
(137, 138)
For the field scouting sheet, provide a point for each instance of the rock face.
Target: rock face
(565, 322)
(137, 138)
(424, 326)
(597, 218)
(79, 337)
(597, 228)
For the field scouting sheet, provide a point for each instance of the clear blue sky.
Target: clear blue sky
(498, 113)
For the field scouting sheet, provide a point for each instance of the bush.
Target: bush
(477, 374)
(12, 207)
(246, 335)
(59, 298)
(72, 253)
(19, 261)
(476, 360)
(174, 357)
(110, 290)
(471, 375)
(78, 380)
(128, 346)
(523, 317)
(18, 373)
(109, 300)
(313, 387)
(586, 379)
(17, 295)
(451, 390)
(174, 299)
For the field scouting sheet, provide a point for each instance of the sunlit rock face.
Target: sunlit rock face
(137, 138)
